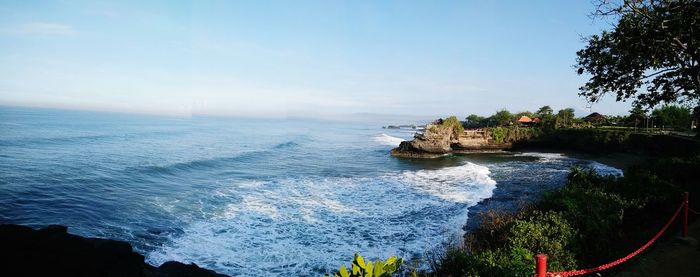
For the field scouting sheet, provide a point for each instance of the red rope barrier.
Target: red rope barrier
(623, 259)
(695, 212)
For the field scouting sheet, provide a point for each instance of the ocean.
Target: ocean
(252, 197)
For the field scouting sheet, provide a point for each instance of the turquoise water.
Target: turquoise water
(254, 197)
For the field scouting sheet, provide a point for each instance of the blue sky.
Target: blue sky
(295, 58)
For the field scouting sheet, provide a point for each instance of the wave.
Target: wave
(55, 140)
(604, 169)
(81, 140)
(264, 226)
(284, 145)
(201, 164)
(385, 139)
(543, 157)
(468, 183)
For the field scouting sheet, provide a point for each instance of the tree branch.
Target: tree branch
(660, 72)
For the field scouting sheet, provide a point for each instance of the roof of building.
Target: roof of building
(525, 119)
(594, 117)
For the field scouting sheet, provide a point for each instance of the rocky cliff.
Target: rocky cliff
(439, 140)
(52, 251)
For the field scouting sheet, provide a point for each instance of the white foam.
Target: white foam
(311, 226)
(600, 168)
(469, 182)
(543, 157)
(604, 169)
(385, 139)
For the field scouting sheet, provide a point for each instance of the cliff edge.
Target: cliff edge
(52, 251)
(438, 140)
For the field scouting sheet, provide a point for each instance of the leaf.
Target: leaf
(344, 272)
(355, 269)
(378, 268)
(368, 269)
(360, 261)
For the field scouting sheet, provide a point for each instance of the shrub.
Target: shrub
(454, 123)
(360, 268)
(591, 220)
(499, 134)
(542, 232)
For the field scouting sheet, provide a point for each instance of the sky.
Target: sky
(296, 58)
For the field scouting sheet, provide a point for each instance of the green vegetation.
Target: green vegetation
(650, 55)
(674, 117)
(666, 118)
(564, 118)
(513, 134)
(379, 268)
(610, 140)
(503, 117)
(453, 122)
(568, 228)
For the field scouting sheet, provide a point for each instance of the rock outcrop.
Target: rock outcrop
(435, 141)
(52, 251)
(438, 140)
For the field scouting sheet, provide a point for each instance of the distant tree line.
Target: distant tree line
(666, 117)
(503, 118)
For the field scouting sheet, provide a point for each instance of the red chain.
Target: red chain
(621, 260)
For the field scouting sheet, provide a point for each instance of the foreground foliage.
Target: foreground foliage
(379, 268)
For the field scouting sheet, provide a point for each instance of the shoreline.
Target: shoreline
(512, 198)
(618, 160)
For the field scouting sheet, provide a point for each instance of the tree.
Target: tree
(474, 121)
(525, 113)
(544, 111)
(637, 116)
(503, 117)
(453, 123)
(652, 54)
(671, 116)
(564, 117)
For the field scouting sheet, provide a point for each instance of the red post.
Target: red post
(541, 268)
(685, 214)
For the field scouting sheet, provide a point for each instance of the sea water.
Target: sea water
(253, 197)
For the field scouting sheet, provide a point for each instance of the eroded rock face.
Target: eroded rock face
(472, 140)
(54, 252)
(438, 140)
(434, 142)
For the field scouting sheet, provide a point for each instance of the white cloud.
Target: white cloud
(41, 28)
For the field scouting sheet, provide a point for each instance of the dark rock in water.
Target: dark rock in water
(53, 252)
(407, 150)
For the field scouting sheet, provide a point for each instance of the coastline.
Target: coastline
(512, 197)
(52, 251)
(619, 160)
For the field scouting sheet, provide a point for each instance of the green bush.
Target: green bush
(499, 134)
(591, 220)
(505, 245)
(379, 268)
(455, 124)
(543, 232)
